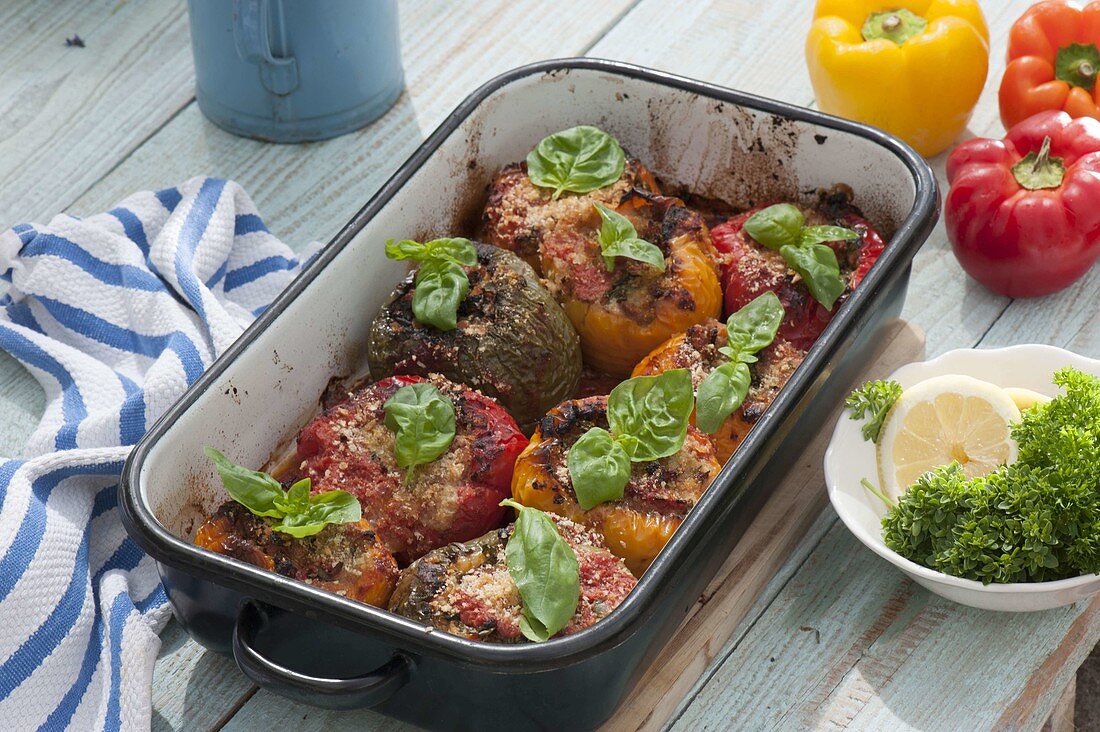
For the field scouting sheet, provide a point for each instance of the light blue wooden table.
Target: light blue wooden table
(80, 128)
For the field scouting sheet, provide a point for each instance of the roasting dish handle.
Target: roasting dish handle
(359, 692)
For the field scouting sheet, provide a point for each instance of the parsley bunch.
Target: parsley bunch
(1035, 520)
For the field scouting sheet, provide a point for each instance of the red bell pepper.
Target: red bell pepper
(1023, 213)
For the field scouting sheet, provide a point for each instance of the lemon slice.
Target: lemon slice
(1025, 399)
(945, 419)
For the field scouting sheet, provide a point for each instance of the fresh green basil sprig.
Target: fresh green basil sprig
(300, 513)
(648, 417)
(580, 159)
(619, 238)
(422, 420)
(750, 329)
(781, 227)
(441, 282)
(545, 570)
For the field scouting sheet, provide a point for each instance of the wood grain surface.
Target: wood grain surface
(836, 638)
(779, 527)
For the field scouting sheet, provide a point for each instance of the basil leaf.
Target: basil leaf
(441, 285)
(580, 159)
(599, 468)
(404, 249)
(456, 250)
(817, 265)
(720, 393)
(533, 629)
(776, 226)
(654, 411)
(619, 238)
(545, 570)
(299, 513)
(252, 489)
(823, 234)
(753, 327)
(423, 422)
(330, 507)
(296, 500)
(781, 227)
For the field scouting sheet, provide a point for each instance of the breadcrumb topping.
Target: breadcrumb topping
(466, 589)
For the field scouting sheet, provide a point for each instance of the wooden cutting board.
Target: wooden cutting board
(774, 534)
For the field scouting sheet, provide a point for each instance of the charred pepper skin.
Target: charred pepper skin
(513, 342)
(1022, 242)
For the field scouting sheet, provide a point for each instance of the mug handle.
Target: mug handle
(251, 32)
(362, 691)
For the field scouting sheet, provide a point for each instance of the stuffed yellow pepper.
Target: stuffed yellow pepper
(628, 464)
(630, 267)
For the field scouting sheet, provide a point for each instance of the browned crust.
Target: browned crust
(465, 589)
(347, 559)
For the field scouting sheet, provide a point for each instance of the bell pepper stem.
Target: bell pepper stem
(893, 25)
(1043, 157)
(1039, 170)
(1077, 64)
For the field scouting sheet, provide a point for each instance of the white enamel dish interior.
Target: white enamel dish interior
(850, 458)
(713, 148)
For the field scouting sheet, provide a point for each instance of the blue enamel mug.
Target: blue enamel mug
(295, 70)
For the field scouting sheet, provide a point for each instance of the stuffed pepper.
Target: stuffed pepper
(540, 577)
(629, 267)
(503, 335)
(811, 257)
(629, 464)
(428, 460)
(317, 537)
(736, 369)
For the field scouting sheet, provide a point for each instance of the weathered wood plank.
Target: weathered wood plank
(779, 527)
(1062, 718)
(1070, 317)
(269, 711)
(1087, 340)
(737, 43)
(887, 649)
(194, 689)
(307, 192)
(69, 115)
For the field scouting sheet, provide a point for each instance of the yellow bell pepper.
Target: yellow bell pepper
(914, 68)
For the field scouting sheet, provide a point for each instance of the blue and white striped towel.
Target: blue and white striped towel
(115, 315)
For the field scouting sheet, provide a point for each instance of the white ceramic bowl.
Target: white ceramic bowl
(850, 458)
